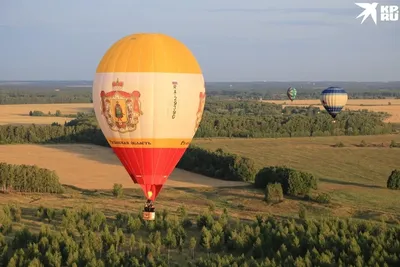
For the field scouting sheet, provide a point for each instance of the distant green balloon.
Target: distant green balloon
(291, 93)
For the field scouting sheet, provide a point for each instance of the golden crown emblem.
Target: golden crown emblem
(117, 85)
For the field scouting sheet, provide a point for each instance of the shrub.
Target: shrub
(394, 144)
(36, 113)
(46, 213)
(293, 182)
(117, 190)
(206, 220)
(393, 181)
(274, 193)
(323, 198)
(5, 222)
(218, 164)
(268, 175)
(302, 212)
(339, 144)
(13, 211)
(363, 143)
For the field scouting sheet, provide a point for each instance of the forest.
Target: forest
(245, 119)
(81, 92)
(87, 237)
(27, 178)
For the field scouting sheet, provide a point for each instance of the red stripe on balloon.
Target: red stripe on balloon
(149, 167)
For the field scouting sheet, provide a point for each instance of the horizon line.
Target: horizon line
(227, 81)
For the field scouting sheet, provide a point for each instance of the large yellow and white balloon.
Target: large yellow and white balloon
(149, 97)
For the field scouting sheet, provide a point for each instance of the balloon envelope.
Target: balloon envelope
(291, 93)
(149, 96)
(334, 99)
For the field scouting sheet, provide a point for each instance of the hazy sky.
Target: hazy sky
(233, 40)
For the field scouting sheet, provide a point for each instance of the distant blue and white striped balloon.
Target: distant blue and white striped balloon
(333, 99)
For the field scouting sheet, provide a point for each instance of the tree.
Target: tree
(35, 263)
(157, 241)
(393, 181)
(170, 240)
(274, 193)
(132, 243)
(206, 239)
(117, 190)
(302, 212)
(192, 245)
(293, 182)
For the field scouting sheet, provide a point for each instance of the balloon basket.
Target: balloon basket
(149, 215)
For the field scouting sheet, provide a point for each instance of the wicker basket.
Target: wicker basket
(149, 215)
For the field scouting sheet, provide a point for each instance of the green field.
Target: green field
(354, 176)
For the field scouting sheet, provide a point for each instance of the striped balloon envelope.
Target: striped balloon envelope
(334, 99)
(149, 96)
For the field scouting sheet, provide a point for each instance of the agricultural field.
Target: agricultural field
(376, 105)
(19, 114)
(88, 169)
(354, 176)
(94, 167)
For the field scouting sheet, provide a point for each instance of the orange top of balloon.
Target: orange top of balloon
(149, 52)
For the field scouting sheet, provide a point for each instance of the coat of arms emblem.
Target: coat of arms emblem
(121, 109)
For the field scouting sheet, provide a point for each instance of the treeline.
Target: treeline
(256, 120)
(85, 237)
(28, 178)
(218, 164)
(34, 95)
(265, 95)
(38, 113)
(294, 183)
(59, 93)
(226, 119)
(302, 93)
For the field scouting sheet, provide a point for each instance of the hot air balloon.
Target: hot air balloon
(291, 93)
(333, 99)
(149, 96)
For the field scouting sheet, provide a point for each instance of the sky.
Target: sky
(253, 40)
